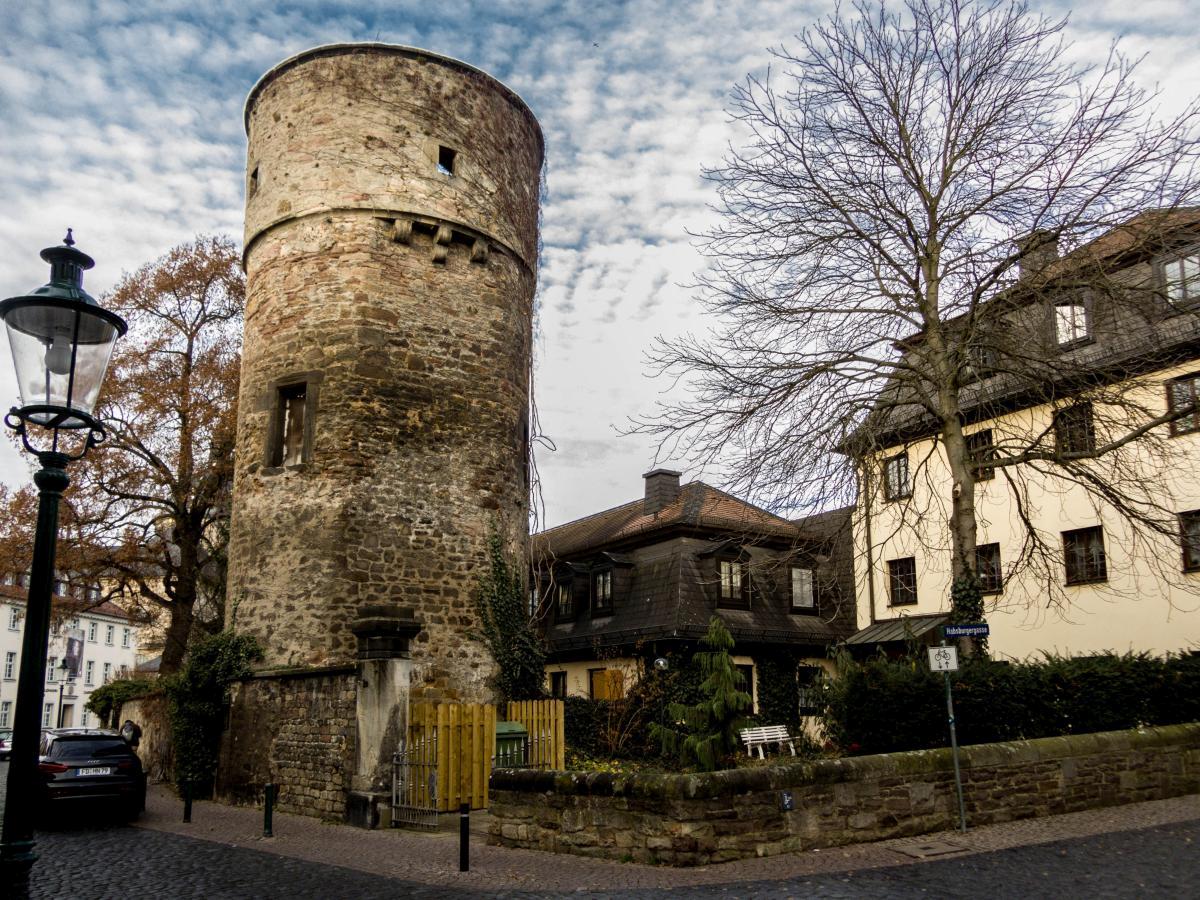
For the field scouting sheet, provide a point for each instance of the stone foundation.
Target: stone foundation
(296, 729)
(688, 820)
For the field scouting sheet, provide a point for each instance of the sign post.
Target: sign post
(944, 659)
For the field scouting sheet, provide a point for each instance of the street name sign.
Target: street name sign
(943, 659)
(980, 630)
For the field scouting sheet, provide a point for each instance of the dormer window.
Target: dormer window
(1181, 277)
(1072, 324)
(602, 592)
(564, 606)
(734, 587)
(804, 599)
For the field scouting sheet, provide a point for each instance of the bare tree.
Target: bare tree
(920, 182)
(147, 511)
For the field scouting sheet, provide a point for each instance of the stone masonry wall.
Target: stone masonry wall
(403, 297)
(155, 749)
(687, 820)
(296, 730)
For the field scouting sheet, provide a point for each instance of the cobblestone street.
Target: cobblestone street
(1144, 850)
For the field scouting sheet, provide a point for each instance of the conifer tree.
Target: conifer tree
(708, 731)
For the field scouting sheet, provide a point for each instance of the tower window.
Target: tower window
(290, 409)
(252, 186)
(446, 159)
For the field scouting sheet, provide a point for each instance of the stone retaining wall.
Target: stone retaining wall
(155, 748)
(296, 729)
(687, 820)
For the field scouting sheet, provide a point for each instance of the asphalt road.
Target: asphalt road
(102, 861)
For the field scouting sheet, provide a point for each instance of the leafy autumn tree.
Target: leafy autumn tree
(146, 514)
(910, 169)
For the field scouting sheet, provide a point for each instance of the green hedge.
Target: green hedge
(882, 705)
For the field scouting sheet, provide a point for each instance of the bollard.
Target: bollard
(268, 809)
(464, 837)
(187, 801)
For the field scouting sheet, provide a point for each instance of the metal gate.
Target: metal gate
(415, 783)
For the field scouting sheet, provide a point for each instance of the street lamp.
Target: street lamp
(64, 670)
(61, 343)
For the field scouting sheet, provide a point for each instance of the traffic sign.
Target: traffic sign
(980, 630)
(943, 659)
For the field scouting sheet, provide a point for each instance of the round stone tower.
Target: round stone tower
(390, 255)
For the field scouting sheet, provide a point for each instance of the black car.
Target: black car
(90, 764)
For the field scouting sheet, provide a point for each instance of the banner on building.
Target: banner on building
(74, 655)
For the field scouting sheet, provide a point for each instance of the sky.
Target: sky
(123, 120)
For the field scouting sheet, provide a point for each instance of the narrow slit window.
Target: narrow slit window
(446, 160)
(252, 187)
(289, 448)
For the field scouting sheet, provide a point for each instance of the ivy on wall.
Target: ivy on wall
(106, 700)
(198, 698)
(507, 630)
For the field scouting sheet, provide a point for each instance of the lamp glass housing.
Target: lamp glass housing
(61, 350)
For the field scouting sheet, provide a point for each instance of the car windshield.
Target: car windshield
(88, 748)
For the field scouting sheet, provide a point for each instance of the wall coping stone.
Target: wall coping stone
(731, 782)
(304, 671)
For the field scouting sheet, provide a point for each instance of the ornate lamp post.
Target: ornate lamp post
(61, 343)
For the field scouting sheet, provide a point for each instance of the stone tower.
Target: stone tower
(390, 254)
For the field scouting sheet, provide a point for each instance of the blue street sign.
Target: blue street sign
(980, 630)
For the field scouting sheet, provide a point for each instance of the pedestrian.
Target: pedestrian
(132, 733)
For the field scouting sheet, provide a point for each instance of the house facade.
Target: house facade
(96, 640)
(1107, 345)
(617, 590)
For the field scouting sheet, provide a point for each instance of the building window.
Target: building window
(51, 670)
(89, 669)
(1182, 277)
(109, 631)
(10, 666)
(565, 606)
(5, 712)
(107, 672)
(902, 581)
(93, 594)
(59, 588)
(606, 684)
(735, 584)
(1072, 324)
(1073, 429)
(446, 159)
(125, 636)
(287, 446)
(1189, 535)
(1184, 393)
(75, 623)
(83, 720)
(1083, 552)
(558, 685)
(23, 580)
(47, 711)
(602, 592)
(803, 596)
(979, 446)
(987, 567)
(747, 685)
(981, 362)
(14, 619)
(808, 679)
(896, 483)
(92, 632)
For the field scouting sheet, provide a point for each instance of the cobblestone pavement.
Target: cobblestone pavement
(1142, 850)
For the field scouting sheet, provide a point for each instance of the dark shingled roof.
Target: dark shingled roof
(698, 505)
(901, 629)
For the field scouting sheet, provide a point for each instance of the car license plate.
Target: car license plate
(95, 770)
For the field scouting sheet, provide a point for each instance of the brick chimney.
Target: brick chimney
(1038, 249)
(662, 487)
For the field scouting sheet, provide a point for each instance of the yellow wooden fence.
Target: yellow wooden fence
(461, 738)
(543, 719)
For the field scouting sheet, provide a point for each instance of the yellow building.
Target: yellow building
(1082, 416)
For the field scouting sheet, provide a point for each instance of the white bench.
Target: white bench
(757, 738)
